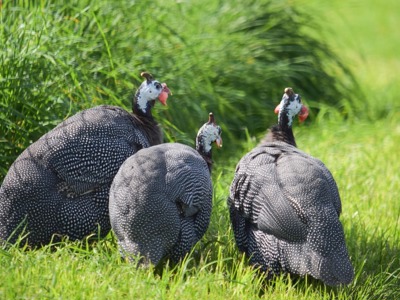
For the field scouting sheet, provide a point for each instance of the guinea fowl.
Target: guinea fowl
(161, 198)
(284, 206)
(59, 186)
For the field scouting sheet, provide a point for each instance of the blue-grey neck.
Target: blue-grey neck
(201, 149)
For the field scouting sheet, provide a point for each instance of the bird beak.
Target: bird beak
(164, 94)
(303, 114)
(218, 141)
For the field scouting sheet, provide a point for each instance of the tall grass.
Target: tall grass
(233, 58)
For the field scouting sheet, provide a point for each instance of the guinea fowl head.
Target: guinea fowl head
(149, 91)
(209, 133)
(289, 107)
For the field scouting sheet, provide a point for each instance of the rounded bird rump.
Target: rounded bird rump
(161, 200)
(59, 186)
(155, 192)
(285, 206)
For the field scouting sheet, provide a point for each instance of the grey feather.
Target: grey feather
(59, 186)
(161, 201)
(284, 207)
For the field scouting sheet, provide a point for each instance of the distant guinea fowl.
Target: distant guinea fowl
(161, 198)
(60, 184)
(285, 206)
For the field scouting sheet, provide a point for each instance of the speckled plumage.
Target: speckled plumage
(161, 200)
(60, 184)
(284, 208)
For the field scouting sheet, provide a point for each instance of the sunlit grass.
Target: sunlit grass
(363, 34)
(215, 269)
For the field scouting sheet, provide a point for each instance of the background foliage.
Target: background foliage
(233, 58)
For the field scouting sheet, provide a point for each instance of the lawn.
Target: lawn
(356, 136)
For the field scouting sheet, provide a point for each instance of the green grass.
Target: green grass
(364, 35)
(70, 57)
(370, 189)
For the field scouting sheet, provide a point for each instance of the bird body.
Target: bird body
(60, 184)
(285, 206)
(161, 200)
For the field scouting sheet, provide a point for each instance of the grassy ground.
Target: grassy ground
(360, 150)
(369, 187)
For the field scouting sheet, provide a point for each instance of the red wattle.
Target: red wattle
(164, 94)
(303, 113)
(163, 98)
